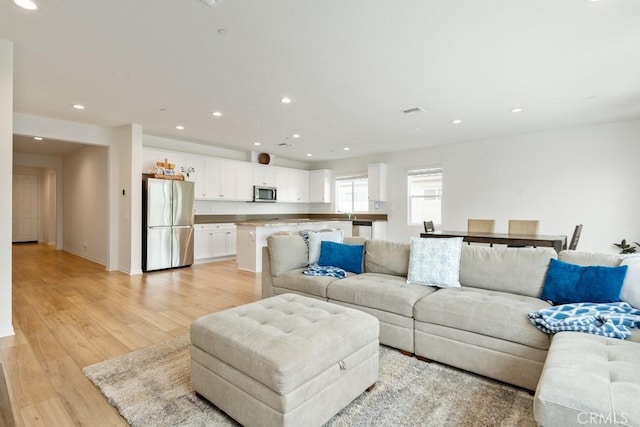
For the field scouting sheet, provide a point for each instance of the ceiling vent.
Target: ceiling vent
(209, 2)
(285, 144)
(413, 110)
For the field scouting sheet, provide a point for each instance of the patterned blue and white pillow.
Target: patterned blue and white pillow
(435, 261)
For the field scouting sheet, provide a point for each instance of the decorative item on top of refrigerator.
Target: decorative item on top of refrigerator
(167, 223)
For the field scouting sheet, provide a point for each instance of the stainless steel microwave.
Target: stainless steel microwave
(264, 194)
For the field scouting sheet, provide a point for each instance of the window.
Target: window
(352, 194)
(425, 195)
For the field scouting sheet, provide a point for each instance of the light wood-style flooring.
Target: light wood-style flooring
(69, 313)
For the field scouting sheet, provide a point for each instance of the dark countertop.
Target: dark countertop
(212, 219)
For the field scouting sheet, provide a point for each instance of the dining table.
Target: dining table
(557, 242)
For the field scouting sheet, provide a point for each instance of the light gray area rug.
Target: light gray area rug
(151, 387)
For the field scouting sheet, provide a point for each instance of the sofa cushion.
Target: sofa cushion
(514, 270)
(381, 291)
(381, 256)
(347, 257)
(294, 280)
(589, 258)
(435, 262)
(589, 380)
(287, 252)
(495, 314)
(568, 283)
(315, 238)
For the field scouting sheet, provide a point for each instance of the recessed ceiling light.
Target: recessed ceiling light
(346, 148)
(256, 143)
(456, 121)
(37, 138)
(78, 106)
(216, 114)
(309, 154)
(26, 4)
(180, 127)
(209, 2)
(517, 110)
(295, 135)
(285, 100)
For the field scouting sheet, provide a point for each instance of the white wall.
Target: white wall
(85, 203)
(564, 177)
(6, 190)
(125, 163)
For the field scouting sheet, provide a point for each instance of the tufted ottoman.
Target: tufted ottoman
(588, 379)
(288, 360)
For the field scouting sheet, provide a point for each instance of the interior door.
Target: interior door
(25, 208)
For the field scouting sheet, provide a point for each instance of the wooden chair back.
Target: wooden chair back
(519, 226)
(481, 225)
(429, 227)
(576, 236)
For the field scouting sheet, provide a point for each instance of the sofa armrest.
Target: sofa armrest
(267, 282)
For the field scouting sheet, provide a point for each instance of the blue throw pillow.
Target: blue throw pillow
(568, 283)
(347, 257)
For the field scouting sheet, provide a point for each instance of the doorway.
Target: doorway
(25, 208)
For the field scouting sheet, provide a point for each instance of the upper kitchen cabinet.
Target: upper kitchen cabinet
(300, 187)
(221, 179)
(194, 169)
(377, 182)
(320, 186)
(264, 175)
(293, 185)
(244, 184)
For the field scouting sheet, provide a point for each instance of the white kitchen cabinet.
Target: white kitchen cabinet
(283, 183)
(299, 181)
(221, 179)
(244, 181)
(320, 186)
(214, 241)
(377, 182)
(264, 175)
(292, 184)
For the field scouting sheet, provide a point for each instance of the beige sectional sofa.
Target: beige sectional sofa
(481, 326)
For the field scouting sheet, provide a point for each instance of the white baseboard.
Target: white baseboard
(7, 331)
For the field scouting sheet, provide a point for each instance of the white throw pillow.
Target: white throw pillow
(315, 241)
(435, 261)
(630, 291)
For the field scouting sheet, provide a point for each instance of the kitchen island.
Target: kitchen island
(252, 236)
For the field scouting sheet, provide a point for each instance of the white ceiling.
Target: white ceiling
(351, 68)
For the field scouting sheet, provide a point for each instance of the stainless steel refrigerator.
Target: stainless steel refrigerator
(167, 223)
